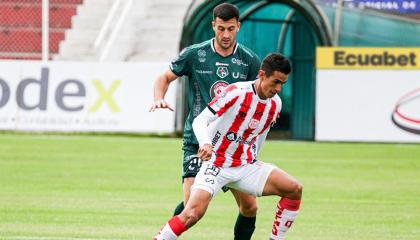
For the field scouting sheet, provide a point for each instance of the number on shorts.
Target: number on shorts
(212, 170)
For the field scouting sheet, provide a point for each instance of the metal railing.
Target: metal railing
(113, 32)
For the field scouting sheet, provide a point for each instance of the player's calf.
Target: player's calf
(191, 215)
(245, 222)
(290, 191)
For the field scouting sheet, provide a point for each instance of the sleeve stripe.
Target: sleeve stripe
(211, 109)
(173, 70)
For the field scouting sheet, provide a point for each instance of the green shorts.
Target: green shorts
(191, 163)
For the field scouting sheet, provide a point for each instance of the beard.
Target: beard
(224, 44)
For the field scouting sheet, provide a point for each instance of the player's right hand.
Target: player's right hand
(204, 152)
(160, 104)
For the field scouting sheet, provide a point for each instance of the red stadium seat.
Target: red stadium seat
(59, 17)
(50, 1)
(28, 40)
(21, 22)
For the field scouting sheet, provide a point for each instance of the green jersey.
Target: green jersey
(208, 73)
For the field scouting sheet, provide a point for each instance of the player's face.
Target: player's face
(272, 85)
(225, 32)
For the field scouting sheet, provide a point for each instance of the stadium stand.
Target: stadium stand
(150, 31)
(161, 37)
(20, 27)
(76, 24)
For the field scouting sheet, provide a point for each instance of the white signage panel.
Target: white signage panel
(82, 96)
(368, 105)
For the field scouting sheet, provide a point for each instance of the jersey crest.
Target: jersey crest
(217, 88)
(222, 72)
(254, 124)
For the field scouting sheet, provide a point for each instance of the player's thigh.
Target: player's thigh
(280, 183)
(210, 179)
(252, 178)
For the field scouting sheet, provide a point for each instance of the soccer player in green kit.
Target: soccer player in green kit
(210, 66)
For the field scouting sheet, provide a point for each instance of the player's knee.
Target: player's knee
(297, 190)
(294, 191)
(249, 210)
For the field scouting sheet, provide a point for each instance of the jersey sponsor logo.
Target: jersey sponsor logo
(241, 115)
(201, 53)
(405, 114)
(254, 147)
(254, 124)
(222, 72)
(196, 108)
(235, 75)
(204, 71)
(221, 64)
(216, 138)
(231, 136)
(239, 62)
(217, 89)
(241, 140)
(258, 114)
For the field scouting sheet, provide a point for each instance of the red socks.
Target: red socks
(287, 210)
(176, 225)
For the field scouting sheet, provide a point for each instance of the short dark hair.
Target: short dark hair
(226, 11)
(276, 62)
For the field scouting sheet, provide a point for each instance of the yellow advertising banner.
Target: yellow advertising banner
(367, 58)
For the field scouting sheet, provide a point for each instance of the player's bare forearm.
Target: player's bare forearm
(160, 88)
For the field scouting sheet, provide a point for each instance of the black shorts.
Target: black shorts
(190, 163)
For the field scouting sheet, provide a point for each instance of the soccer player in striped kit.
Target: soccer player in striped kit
(230, 132)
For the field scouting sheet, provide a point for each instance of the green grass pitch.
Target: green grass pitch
(115, 187)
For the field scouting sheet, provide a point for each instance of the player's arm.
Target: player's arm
(178, 67)
(200, 126)
(160, 88)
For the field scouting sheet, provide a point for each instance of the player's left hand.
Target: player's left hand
(204, 152)
(160, 104)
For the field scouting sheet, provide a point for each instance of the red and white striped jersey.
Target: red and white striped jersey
(232, 122)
